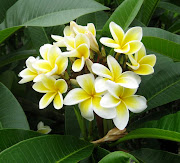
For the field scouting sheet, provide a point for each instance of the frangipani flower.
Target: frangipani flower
(29, 73)
(126, 79)
(60, 40)
(53, 63)
(53, 89)
(123, 99)
(43, 129)
(79, 48)
(88, 99)
(89, 31)
(141, 63)
(127, 43)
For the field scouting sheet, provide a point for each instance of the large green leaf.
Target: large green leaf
(124, 14)
(19, 55)
(169, 6)
(150, 133)
(147, 10)
(161, 41)
(99, 153)
(5, 5)
(119, 156)
(49, 13)
(155, 156)
(9, 137)
(50, 148)
(11, 113)
(175, 28)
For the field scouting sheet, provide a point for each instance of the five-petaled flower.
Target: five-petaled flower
(127, 43)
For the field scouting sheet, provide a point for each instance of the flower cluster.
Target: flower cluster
(105, 88)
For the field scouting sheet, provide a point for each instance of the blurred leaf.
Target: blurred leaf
(11, 113)
(123, 15)
(98, 19)
(71, 123)
(175, 28)
(38, 37)
(155, 156)
(5, 5)
(161, 41)
(19, 55)
(147, 11)
(99, 153)
(48, 13)
(50, 148)
(169, 6)
(150, 133)
(4, 34)
(119, 156)
(9, 137)
(136, 22)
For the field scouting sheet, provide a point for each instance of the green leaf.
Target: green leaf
(159, 87)
(11, 113)
(150, 133)
(99, 153)
(123, 15)
(9, 137)
(175, 28)
(19, 55)
(169, 6)
(49, 13)
(147, 11)
(161, 41)
(4, 34)
(5, 5)
(119, 156)
(38, 37)
(152, 156)
(50, 148)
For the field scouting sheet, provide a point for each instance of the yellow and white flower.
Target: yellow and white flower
(53, 63)
(88, 99)
(126, 79)
(127, 43)
(79, 48)
(123, 100)
(141, 63)
(29, 73)
(53, 89)
(89, 31)
(43, 129)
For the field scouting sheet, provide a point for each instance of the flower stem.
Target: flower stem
(90, 129)
(99, 122)
(105, 126)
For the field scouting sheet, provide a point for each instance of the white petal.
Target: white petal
(122, 117)
(100, 84)
(46, 100)
(44, 50)
(109, 42)
(78, 65)
(58, 101)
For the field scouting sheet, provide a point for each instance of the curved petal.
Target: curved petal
(93, 42)
(141, 53)
(61, 85)
(133, 67)
(133, 34)
(91, 28)
(49, 82)
(101, 70)
(27, 73)
(109, 42)
(148, 59)
(109, 101)
(39, 87)
(86, 109)
(81, 39)
(128, 92)
(129, 79)
(57, 38)
(78, 65)
(114, 66)
(133, 60)
(117, 32)
(134, 47)
(58, 101)
(44, 50)
(46, 100)
(30, 62)
(69, 42)
(89, 64)
(42, 65)
(100, 84)
(75, 96)
(86, 82)
(123, 49)
(83, 50)
(122, 117)
(114, 89)
(62, 63)
(67, 31)
(72, 53)
(107, 113)
(135, 103)
(53, 71)
(38, 78)
(26, 79)
(144, 70)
